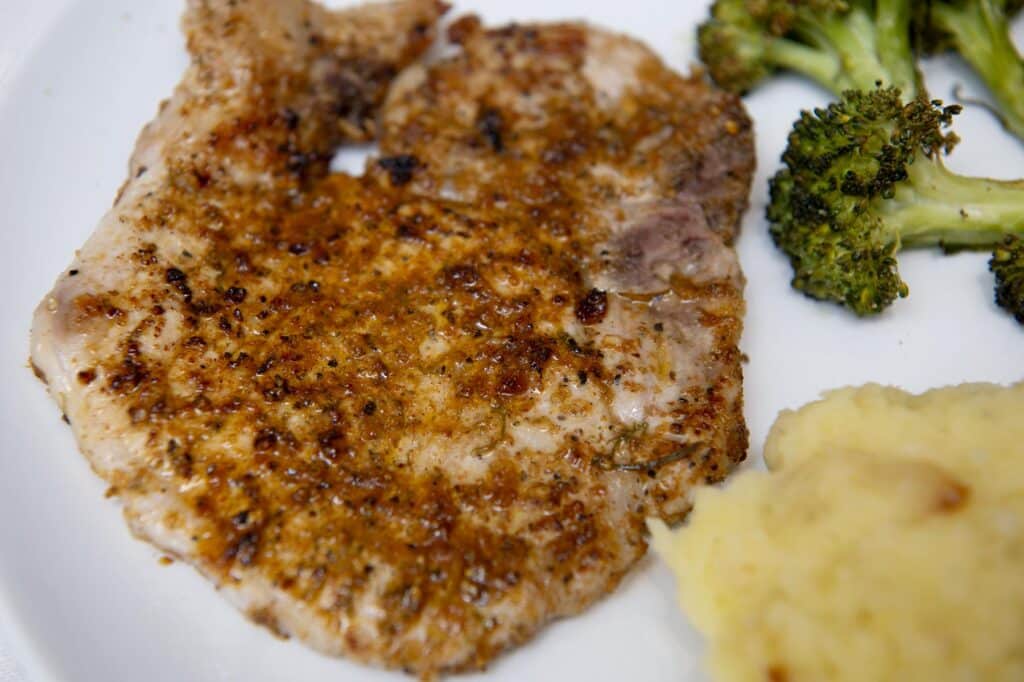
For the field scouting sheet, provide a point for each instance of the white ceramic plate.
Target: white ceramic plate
(81, 600)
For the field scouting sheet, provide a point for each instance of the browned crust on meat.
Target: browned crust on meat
(384, 416)
(571, 102)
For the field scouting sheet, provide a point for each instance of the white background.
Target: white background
(20, 27)
(79, 599)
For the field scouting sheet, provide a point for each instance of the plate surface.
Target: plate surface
(81, 600)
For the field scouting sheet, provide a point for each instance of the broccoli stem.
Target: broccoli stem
(981, 33)
(819, 65)
(892, 22)
(852, 40)
(939, 207)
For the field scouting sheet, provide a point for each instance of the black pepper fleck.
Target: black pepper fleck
(265, 439)
(235, 294)
(400, 168)
(490, 125)
(593, 307)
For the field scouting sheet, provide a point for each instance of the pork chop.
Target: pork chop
(410, 417)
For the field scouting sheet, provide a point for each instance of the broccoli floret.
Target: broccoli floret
(1008, 266)
(980, 31)
(841, 44)
(863, 179)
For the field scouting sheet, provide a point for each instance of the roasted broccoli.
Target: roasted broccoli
(864, 178)
(980, 31)
(841, 44)
(1008, 266)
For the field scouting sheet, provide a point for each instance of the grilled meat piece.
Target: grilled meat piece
(413, 416)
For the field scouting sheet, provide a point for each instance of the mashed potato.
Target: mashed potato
(886, 543)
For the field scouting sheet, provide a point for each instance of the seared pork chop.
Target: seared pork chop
(412, 416)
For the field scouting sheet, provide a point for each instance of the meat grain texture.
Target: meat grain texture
(410, 417)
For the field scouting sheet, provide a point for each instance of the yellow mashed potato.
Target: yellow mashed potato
(886, 543)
